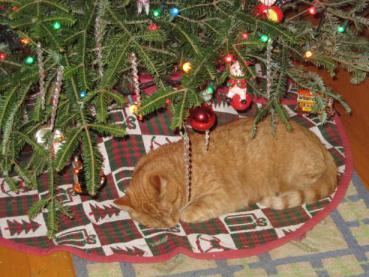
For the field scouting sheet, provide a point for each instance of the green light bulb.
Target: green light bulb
(156, 12)
(29, 60)
(211, 89)
(264, 38)
(341, 29)
(56, 25)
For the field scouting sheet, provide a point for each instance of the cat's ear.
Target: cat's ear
(166, 194)
(124, 203)
(159, 183)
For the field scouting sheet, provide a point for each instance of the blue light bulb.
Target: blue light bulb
(83, 93)
(174, 11)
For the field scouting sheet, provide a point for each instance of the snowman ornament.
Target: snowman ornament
(268, 2)
(143, 5)
(237, 83)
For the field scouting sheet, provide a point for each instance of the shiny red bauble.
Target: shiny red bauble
(261, 10)
(202, 118)
(238, 105)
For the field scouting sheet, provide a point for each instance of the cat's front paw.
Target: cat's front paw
(194, 214)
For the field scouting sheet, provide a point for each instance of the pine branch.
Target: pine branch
(24, 175)
(158, 99)
(282, 114)
(143, 55)
(275, 31)
(35, 147)
(11, 183)
(12, 112)
(110, 130)
(37, 207)
(67, 149)
(52, 224)
(101, 107)
(92, 163)
(6, 103)
(180, 113)
(259, 116)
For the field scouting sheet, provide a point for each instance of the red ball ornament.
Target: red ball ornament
(202, 118)
(168, 102)
(312, 10)
(261, 10)
(153, 27)
(229, 58)
(238, 105)
(3, 56)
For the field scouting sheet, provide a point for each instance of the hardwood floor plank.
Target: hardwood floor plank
(17, 264)
(357, 124)
(55, 265)
(13, 263)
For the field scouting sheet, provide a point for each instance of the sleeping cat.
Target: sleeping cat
(279, 171)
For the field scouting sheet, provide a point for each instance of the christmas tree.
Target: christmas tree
(70, 58)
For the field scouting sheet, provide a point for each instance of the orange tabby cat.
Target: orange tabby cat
(279, 171)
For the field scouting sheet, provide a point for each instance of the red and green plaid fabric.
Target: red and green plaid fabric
(101, 229)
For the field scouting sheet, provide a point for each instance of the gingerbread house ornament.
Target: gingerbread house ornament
(305, 101)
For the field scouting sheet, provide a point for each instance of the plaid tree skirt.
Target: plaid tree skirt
(102, 232)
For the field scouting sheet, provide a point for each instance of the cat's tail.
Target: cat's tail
(325, 185)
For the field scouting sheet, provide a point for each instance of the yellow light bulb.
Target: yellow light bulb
(308, 54)
(133, 108)
(272, 16)
(187, 67)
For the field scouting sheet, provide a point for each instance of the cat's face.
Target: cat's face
(152, 200)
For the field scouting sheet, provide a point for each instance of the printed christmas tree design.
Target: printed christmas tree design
(16, 227)
(100, 213)
(134, 251)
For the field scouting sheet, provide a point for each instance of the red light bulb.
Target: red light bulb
(312, 10)
(229, 58)
(2, 56)
(153, 27)
(245, 36)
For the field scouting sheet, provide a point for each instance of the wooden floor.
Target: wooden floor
(356, 124)
(17, 264)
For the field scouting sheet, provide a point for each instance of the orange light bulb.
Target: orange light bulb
(308, 54)
(25, 41)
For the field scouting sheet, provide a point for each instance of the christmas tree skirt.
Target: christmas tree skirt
(102, 232)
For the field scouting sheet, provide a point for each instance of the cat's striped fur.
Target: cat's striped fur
(279, 171)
